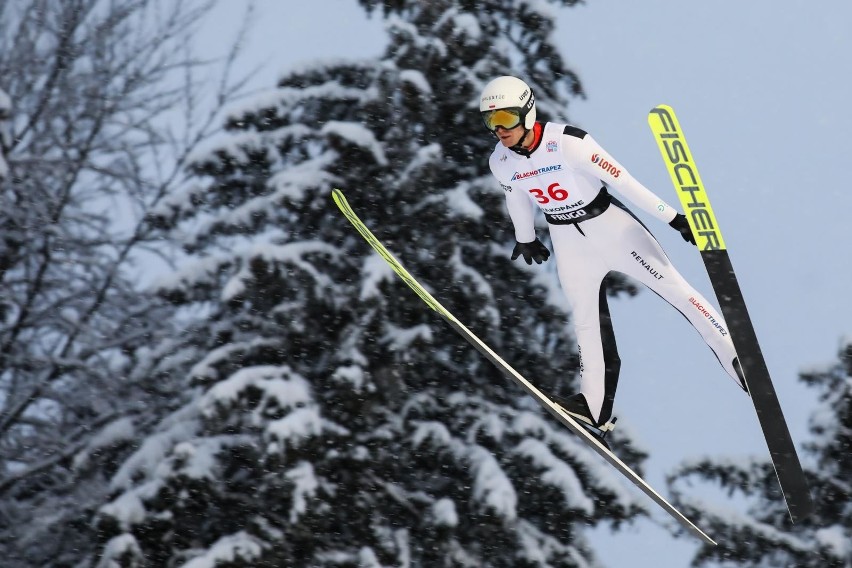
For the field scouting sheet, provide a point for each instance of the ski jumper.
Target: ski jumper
(594, 234)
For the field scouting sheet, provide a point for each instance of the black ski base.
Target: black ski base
(759, 384)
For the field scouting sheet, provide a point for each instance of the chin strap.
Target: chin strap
(537, 131)
(518, 148)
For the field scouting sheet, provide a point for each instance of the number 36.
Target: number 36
(555, 192)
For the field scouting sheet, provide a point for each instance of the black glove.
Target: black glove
(534, 251)
(682, 225)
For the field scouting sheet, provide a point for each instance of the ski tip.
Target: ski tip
(339, 198)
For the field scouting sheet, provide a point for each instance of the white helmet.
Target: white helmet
(509, 94)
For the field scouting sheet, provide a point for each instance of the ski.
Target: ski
(592, 440)
(714, 253)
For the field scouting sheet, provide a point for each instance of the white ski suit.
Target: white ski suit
(593, 234)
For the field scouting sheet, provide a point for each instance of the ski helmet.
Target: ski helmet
(507, 101)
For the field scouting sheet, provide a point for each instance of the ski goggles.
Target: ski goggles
(508, 118)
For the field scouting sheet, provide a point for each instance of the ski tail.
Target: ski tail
(714, 252)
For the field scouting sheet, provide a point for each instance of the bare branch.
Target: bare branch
(95, 142)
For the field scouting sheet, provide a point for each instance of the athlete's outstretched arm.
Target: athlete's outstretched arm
(586, 154)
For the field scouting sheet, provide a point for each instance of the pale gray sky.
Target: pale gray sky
(761, 91)
(762, 94)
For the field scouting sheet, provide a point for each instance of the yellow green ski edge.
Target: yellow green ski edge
(511, 373)
(684, 174)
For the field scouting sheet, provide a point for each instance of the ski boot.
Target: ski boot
(577, 408)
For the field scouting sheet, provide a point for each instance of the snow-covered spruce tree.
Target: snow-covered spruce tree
(764, 536)
(337, 421)
(84, 353)
(5, 132)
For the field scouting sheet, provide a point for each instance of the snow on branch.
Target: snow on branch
(463, 24)
(540, 548)
(238, 547)
(356, 134)
(305, 484)
(293, 254)
(399, 339)
(244, 145)
(397, 26)
(277, 390)
(205, 370)
(128, 508)
(375, 273)
(425, 156)
(295, 180)
(491, 486)
(118, 550)
(279, 387)
(180, 426)
(558, 473)
(298, 426)
(5, 131)
(444, 513)
(417, 79)
(203, 271)
(283, 99)
(601, 474)
(747, 527)
(120, 430)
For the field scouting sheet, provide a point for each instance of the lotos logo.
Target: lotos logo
(538, 172)
(606, 166)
